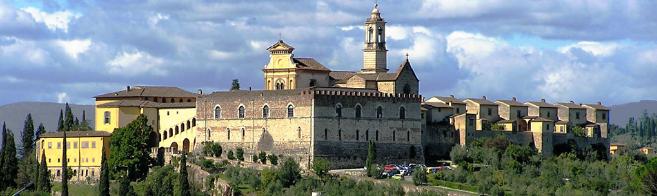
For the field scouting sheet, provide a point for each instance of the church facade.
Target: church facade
(307, 110)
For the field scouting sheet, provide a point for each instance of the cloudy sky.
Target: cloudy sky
(586, 51)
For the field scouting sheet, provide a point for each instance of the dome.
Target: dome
(375, 10)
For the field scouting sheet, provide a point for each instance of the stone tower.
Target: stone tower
(374, 52)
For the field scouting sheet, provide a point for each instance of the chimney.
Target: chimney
(249, 88)
(200, 91)
(483, 97)
(571, 101)
(599, 103)
(543, 100)
(127, 88)
(514, 99)
(452, 96)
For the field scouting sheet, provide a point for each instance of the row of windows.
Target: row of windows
(75, 172)
(241, 111)
(164, 100)
(358, 111)
(367, 135)
(82, 160)
(84, 144)
(243, 132)
(178, 129)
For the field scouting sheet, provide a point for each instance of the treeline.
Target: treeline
(643, 128)
(497, 167)
(18, 164)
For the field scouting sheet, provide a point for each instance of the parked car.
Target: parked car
(398, 177)
(391, 173)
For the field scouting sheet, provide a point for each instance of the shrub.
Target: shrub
(419, 176)
(273, 159)
(216, 149)
(321, 166)
(579, 131)
(289, 172)
(239, 153)
(263, 157)
(254, 158)
(230, 155)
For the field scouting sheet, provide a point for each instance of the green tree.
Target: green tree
(27, 169)
(230, 155)
(289, 172)
(129, 149)
(579, 131)
(419, 176)
(647, 175)
(40, 130)
(371, 157)
(235, 85)
(27, 136)
(125, 188)
(254, 158)
(239, 153)
(273, 159)
(321, 166)
(263, 157)
(44, 175)
(104, 183)
(159, 158)
(216, 149)
(84, 125)
(161, 181)
(184, 183)
(69, 119)
(64, 164)
(9, 168)
(60, 122)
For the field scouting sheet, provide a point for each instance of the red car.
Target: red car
(389, 167)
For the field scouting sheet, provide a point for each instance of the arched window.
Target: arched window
(189, 125)
(209, 133)
(408, 136)
(228, 133)
(377, 135)
(193, 122)
(359, 111)
(280, 84)
(182, 127)
(325, 134)
(177, 129)
(370, 33)
(243, 133)
(338, 110)
(394, 135)
(217, 112)
(299, 132)
(402, 113)
(290, 111)
(240, 112)
(265, 111)
(379, 112)
(407, 89)
(340, 134)
(313, 83)
(379, 31)
(170, 132)
(107, 116)
(357, 134)
(367, 135)
(164, 135)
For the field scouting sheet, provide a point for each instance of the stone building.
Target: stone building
(308, 111)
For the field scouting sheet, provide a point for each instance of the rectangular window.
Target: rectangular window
(93, 144)
(68, 145)
(49, 145)
(93, 160)
(75, 145)
(577, 115)
(59, 145)
(84, 144)
(107, 117)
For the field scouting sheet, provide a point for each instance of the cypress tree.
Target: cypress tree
(28, 136)
(2, 153)
(60, 123)
(69, 120)
(104, 177)
(44, 175)
(64, 166)
(184, 184)
(76, 124)
(40, 130)
(125, 188)
(84, 125)
(10, 162)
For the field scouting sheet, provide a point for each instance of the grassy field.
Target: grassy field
(77, 189)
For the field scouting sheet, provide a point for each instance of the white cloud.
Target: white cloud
(155, 19)
(470, 48)
(351, 27)
(54, 21)
(136, 63)
(219, 55)
(396, 32)
(594, 48)
(62, 97)
(74, 48)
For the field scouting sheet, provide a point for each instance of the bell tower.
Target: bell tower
(374, 52)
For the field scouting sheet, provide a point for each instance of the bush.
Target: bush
(216, 149)
(273, 159)
(419, 176)
(289, 173)
(579, 131)
(230, 155)
(254, 158)
(263, 157)
(239, 153)
(321, 166)
(375, 171)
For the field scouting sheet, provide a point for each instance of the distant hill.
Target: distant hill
(42, 112)
(621, 113)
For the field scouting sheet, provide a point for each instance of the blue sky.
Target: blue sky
(585, 51)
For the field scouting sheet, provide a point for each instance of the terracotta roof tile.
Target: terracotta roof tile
(149, 91)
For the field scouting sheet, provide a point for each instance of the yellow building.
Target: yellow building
(170, 111)
(84, 152)
(615, 148)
